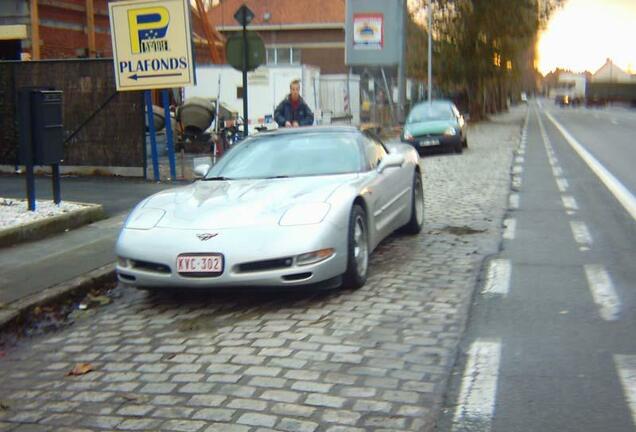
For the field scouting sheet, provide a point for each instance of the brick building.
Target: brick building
(65, 29)
(294, 31)
(62, 28)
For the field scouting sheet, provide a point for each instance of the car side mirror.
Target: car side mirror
(201, 170)
(390, 160)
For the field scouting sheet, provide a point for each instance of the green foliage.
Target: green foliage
(484, 47)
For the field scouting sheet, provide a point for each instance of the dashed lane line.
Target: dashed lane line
(603, 291)
(562, 184)
(569, 202)
(498, 277)
(626, 367)
(513, 201)
(581, 235)
(510, 226)
(478, 392)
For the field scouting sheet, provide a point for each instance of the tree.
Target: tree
(486, 47)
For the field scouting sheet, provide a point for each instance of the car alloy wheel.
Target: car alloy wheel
(414, 225)
(360, 248)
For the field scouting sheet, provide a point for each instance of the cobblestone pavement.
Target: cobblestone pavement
(375, 359)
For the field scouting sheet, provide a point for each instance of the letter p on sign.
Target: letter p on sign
(147, 24)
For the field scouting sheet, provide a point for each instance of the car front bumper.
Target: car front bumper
(148, 258)
(435, 141)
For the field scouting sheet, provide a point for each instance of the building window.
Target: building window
(239, 92)
(283, 55)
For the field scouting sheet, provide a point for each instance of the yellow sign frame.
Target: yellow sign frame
(152, 44)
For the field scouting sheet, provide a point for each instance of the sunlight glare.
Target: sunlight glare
(584, 33)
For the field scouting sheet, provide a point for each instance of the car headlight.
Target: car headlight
(450, 131)
(408, 136)
(304, 214)
(315, 256)
(144, 219)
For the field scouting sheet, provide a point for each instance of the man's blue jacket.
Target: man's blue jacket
(285, 113)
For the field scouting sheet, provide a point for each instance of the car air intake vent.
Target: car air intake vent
(151, 267)
(298, 276)
(127, 277)
(272, 264)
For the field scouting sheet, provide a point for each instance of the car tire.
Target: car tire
(465, 143)
(357, 250)
(459, 147)
(415, 223)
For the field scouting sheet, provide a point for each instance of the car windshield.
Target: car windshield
(290, 155)
(432, 112)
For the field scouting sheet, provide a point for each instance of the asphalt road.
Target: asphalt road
(551, 343)
(608, 133)
(115, 194)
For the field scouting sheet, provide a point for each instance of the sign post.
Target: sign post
(244, 16)
(152, 49)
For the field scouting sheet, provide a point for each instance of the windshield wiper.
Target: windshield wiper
(217, 178)
(276, 177)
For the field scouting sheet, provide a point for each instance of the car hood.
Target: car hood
(429, 127)
(239, 203)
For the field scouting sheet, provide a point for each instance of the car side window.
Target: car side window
(374, 151)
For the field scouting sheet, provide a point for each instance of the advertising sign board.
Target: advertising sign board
(374, 32)
(152, 46)
(368, 31)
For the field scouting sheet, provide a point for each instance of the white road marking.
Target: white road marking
(581, 235)
(519, 159)
(624, 196)
(516, 181)
(626, 366)
(614, 121)
(517, 169)
(569, 202)
(562, 184)
(557, 171)
(510, 225)
(603, 291)
(498, 277)
(476, 404)
(513, 201)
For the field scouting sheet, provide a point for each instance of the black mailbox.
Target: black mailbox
(41, 126)
(47, 127)
(41, 135)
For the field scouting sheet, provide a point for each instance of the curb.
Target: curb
(37, 230)
(16, 313)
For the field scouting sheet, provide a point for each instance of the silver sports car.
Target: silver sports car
(303, 206)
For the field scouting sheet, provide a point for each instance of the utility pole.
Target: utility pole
(430, 51)
(402, 65)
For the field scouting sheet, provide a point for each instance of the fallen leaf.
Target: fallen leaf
(4, 406)
(80, 369)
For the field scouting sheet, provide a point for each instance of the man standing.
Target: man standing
(293, 111)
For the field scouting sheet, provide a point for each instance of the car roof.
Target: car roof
(435, 102)
(307, 129)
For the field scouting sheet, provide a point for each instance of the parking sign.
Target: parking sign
(152, 46)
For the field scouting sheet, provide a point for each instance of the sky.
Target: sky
(584, 33)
